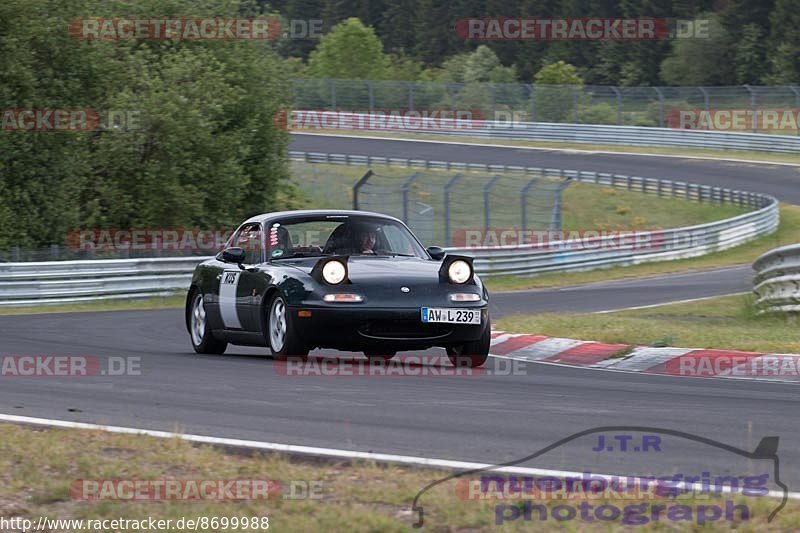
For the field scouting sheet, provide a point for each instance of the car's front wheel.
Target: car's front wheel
(283, 342)
(472, 354)
(202, 339)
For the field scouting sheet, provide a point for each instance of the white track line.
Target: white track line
(649, 306)
(330, 452)
(565, 150)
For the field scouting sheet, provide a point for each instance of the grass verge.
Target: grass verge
(40, 467)
(584, 206)
(743, 155)
(725, 322)
(788, 233)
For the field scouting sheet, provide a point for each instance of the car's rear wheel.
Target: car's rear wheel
(472, 354)
(203, 340)
(283, 342)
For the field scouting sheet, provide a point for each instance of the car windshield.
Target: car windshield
(321, 235)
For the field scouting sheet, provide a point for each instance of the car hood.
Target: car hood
(380, 269)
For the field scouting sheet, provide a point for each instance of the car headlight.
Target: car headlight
(334, 272)
(459, 271)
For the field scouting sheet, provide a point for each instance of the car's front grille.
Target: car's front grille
(409, 329)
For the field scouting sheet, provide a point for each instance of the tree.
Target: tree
(483, 65)
(701, 61)
(203, 153)
(350, 51)
(750, 56)
(559, 73)
(558, 92)
(784, 43)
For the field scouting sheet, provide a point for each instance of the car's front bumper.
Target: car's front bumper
(346, 327)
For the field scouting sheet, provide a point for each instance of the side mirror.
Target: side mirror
(234, 255)
(436, 252)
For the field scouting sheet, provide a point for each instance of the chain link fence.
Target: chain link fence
(589, 104)
(445, 209)
(439, 205)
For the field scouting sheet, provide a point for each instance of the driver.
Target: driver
(366, 240)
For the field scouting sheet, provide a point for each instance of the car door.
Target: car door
(237, 284)
(254, 279)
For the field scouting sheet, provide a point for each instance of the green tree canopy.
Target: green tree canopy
(350, 51)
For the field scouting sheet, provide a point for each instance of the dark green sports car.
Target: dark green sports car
(344, 280)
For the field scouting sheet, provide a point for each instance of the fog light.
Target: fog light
(343, 297)
(465, 297)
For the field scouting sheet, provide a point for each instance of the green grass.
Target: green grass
(726, 322)
(585, 206)
(175, 301)
(38, 467)
(744, 155)
(592, 207)
(788, 233)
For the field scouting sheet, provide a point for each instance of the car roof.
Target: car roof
(311, 212)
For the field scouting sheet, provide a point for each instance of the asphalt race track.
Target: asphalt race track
(489, 418)
(486, 418)
(781, 181)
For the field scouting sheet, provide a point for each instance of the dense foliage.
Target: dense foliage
(204, 150)
(749, 42)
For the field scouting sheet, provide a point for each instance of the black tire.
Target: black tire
(200, 335)
(472, 354)
(292, 346)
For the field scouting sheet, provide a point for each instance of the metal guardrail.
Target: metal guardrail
(555, 132)
(777, 280)
(41, 283)
(76, 281)
(575, 104)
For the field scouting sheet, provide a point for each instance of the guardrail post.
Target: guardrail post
(753, 106)
(524, 206)
(360, 183)
(449, 87)
(404, 189)
(371, 92)
(410, 88)
(660, 106)
(796, 100)
(619, 105)
(532, 89)
(449, 185)
(486, 206)
(705, 97)
(575, 104)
